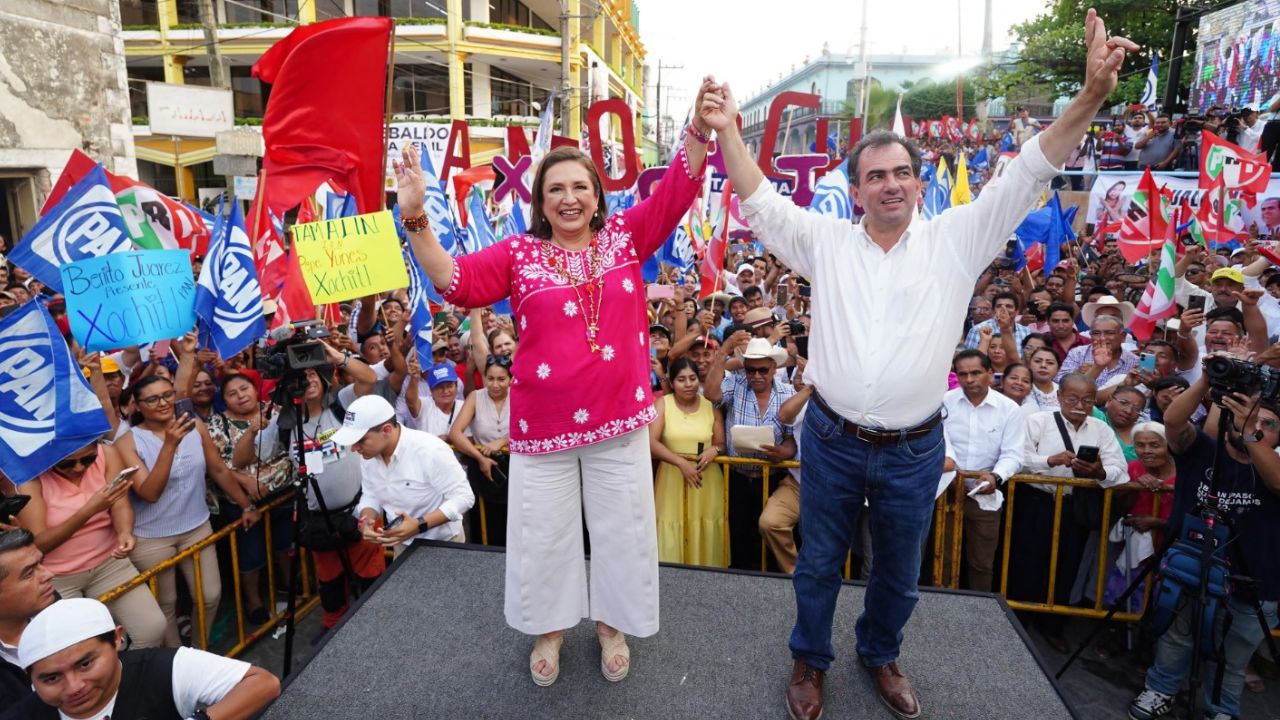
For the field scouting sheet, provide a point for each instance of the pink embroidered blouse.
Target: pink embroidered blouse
(564, 394)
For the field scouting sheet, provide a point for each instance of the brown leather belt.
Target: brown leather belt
(878, 436)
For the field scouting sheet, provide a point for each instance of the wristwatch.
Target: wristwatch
(423, 525)
(999, 479)
(200, 714)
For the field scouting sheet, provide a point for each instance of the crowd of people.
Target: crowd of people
(853, 368)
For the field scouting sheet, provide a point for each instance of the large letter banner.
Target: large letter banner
(130, 298)
(351, 257)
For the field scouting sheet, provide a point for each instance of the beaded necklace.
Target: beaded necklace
(590, 301)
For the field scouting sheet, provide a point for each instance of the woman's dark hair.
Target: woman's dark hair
(1046, 339)
(1049, 350)
(1014, 366)
(136, 418)
(226, 380)
(539, 226)
(502, 361)
(679, 364)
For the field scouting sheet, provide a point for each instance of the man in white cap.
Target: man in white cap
(411, 476)
(71, 651)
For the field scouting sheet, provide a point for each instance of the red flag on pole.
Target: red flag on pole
(1237, 168)
(325, 115)
(713, 259)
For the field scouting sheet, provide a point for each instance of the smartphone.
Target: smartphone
(1147, 363)
(999, 377)
(1196, 302)
(394, 524)
(1087, 453)
(123, 477)
(659, 291)
(802, 345)
(806, 291)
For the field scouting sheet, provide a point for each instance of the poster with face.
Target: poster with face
(1111, 192)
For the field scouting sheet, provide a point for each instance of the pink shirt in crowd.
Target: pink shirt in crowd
(92, 544)
(564, 395)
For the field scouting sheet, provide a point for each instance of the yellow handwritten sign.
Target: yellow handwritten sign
(350, 257)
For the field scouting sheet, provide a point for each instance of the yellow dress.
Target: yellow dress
(681, 433)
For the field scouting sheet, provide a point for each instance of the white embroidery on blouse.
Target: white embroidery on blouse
(581, 416)
(544, 371)
(570, 308)
(639, 393)
(606, 353)
(568, 440)
(628, 285)
(524, 425)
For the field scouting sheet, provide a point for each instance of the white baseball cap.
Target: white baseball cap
(62, 625)
(363, 415)
(745, 267)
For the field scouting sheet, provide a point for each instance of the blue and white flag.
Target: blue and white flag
(1149, 92)
(228, 296)
(980, 160)
(419, 308)
(937, 195)
(831, 194)
(480, 233)
(85, 223)
(47, 409)
(678, 250)
(439, 214)
(516, 221)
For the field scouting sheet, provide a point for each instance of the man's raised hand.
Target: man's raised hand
(1104, 59)
(719, 108)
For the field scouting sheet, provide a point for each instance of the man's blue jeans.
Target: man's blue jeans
(1173, 654)
(898, 482)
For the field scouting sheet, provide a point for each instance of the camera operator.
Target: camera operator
(337, 474)
(1249, 494)
(1189, 129)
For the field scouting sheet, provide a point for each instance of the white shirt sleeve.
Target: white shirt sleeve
(451, 478)
(1013, 443)
(268, 440)
(1034, 460)
(201, 679)
(1112, 456)
(368, 493)
(787, 230)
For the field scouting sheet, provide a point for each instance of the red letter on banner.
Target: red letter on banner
(798, 99)
(453, 160)
(626, 125)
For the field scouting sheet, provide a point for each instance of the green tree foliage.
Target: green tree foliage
(880, 106)
(928, 99)
(1053, 53)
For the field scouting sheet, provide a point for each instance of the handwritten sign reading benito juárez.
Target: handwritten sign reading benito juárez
(351, 257)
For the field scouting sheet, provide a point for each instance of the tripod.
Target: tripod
(294, 385)
(1213, 516)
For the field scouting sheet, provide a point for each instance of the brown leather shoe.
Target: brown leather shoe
(804, 694)
(895, 691)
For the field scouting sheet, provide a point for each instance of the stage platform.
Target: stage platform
(430, 642)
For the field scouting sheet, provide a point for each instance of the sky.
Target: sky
(748, 42)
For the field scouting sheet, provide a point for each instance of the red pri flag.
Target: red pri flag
(325, 115)
(1144, 224)
(1238, 168)
(713, 258)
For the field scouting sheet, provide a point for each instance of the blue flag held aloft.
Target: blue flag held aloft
(831, 194)
(980, 160)
(439, 214)
(480, 235)
(47, 409)
(1048, 226)
(937, 195)
(86, 223)
(420, 319)
(228, 296)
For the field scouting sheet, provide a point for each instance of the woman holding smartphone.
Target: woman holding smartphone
(83, 524)
(170, 514)
(486, 414)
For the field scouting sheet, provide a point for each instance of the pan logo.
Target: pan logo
(90, 229)
(27, 395)
(239, 303)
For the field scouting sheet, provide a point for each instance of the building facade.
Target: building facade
(489, 62)
(62, 87)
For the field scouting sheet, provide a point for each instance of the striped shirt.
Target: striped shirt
(974, 338)
(1114, 151)
(181, 507)
(740, 407)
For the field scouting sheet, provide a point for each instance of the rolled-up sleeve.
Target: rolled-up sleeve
(450, 479)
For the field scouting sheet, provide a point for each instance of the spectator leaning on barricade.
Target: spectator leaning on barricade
(688, 424)
(750, 400)
(338, 482)
(1249, 491)
(1053, 441)
(243, 409)
(26, 588)
(481, 432)
(985, 433)
(173, 455)
(83, 523)
(72, 652)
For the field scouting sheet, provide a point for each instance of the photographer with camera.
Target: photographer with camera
(336, 471)
(1247, 493)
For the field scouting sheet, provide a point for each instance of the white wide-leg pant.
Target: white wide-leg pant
(547, 586)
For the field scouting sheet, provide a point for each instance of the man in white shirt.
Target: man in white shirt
(410, 476)
(986, 432)
(71, 650)
(885, 292)
(1057, 443)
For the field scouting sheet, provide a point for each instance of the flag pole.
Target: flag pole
(257, 209)
(386, 128)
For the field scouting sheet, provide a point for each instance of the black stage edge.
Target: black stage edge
(430, 641)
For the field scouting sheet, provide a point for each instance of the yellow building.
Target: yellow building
(490, 62)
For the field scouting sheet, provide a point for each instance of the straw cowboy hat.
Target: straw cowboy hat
(761, 349)
(1090, 310)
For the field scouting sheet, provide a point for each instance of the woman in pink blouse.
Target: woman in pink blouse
(580, 399)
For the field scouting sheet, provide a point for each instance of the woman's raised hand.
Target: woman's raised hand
(411, 184)
(717, 106)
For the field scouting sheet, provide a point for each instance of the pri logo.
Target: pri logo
(1236, 172)
(27, 397)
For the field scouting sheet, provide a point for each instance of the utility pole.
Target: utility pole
(658, 102)
(566, 87)
(862, 63)
(218, 75)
